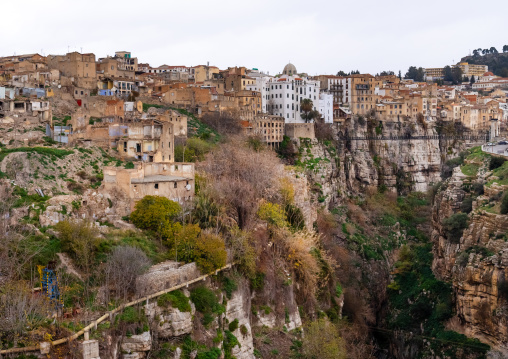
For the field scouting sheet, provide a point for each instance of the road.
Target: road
(497, 149)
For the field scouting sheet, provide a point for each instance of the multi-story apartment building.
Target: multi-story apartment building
(286, 92)
(433, 73)
(363, 96)
(472, 69)
(261, 84)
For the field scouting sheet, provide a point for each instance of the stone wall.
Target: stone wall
(165, 275)
(299, 130)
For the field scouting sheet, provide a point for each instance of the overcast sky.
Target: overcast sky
(318, 36)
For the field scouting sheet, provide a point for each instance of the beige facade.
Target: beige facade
(472, 69)
(74, 64)
(269, 128)
(168, 179)
(363, 96)
(147, 141)
(238, 82)
(202, 73)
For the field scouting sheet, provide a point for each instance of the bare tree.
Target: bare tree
(225, 123)
(122, 268)
(20, 310)
(241, 177)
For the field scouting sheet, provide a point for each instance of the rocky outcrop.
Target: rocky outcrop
(136, 344)
(165, 275)
(170, 322)
(476, 265)
(239, 308)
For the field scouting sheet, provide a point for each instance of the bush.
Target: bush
(467, 205)
(233, 325)
(229, 286)
(123, 266)
(206, 302)
(496, 162)
(477, 188)
(273, 214)
(176, 299)
(287, 150)
(322, 340)
(454, 226)
(155, 213)
(81, 239)
(206, 249)
(504, 204)
(194, 150)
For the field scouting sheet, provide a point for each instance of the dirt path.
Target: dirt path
(67, 263)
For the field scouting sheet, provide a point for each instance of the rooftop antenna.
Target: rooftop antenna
(68, 48)
(81, 49)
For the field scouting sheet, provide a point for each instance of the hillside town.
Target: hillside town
(110, 90)
(197, 212)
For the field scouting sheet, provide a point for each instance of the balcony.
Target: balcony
(362, 87)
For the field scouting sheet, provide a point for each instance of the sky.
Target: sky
(318, 36)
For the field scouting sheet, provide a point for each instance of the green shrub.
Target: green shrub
(478, 188)
(129, 165)
(131, 315)
(243, 330)
(206, 301)
(233, 325)
(176, 299)
(229, 286)
(504, 204)
(258, 281)
(467, 205)
(454, 226)
(230, 341)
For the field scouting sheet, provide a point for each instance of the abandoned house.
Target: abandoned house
(172, 180)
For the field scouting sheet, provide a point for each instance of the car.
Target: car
(502, 143)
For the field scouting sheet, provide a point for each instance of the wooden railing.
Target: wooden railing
(86, 330)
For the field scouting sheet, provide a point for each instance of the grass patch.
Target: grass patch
(46, 151)
(176, 299)
(470, 169)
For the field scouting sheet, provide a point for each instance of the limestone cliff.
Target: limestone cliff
(477, 263)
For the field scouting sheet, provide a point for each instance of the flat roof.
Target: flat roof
(159, 178)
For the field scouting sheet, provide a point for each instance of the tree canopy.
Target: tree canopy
(415, 74)
(308, 114)
(156, 213)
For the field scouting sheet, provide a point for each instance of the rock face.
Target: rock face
(165, 275)
(239, 307)
(170, 321)
(137, 343)
(353, 165)
(477, 265)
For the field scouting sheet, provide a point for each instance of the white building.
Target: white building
(261, 85)
(340, 88)
(284, 94)
(326, 107)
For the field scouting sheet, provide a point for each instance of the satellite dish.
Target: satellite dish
(59, 86)
(188, 187)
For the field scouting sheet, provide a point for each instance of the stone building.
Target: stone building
(80, 68)
(269, 128)
(168, 179)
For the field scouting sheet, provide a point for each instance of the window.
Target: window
(175, 185)
(169, 144)
(156, 186)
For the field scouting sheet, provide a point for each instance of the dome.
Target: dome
(488, 74)
(289, 70)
